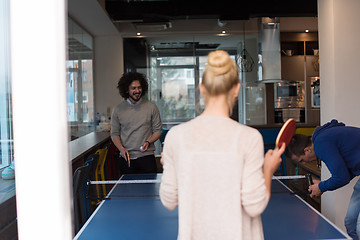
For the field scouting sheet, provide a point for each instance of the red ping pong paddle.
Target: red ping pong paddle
(286, 133)
(128, 158)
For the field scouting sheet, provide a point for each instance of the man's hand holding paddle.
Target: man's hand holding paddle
(314, 189)
(125, 154)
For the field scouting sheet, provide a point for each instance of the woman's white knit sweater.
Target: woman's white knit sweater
(213, 172)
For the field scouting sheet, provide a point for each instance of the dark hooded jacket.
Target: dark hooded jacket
(338, 146)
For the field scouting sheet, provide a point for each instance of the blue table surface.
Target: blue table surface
(134, 211)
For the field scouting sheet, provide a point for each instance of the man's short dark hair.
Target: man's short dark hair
(297, 145)
(127, 79)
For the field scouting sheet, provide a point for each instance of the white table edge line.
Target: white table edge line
(93, 214)
(88, 221)
(326, 219)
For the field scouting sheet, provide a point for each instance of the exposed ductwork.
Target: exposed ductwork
(158, 26)
(269, 50)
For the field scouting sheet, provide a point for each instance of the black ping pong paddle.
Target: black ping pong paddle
(309, 179)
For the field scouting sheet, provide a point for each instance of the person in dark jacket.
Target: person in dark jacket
(338, 146)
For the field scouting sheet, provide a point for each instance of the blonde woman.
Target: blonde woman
(214, 167)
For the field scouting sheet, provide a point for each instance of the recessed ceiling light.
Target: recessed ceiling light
(138, 34)
(223, 32)
(307, 30)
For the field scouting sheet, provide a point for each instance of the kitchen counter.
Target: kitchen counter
(311, 167)
(87, 143)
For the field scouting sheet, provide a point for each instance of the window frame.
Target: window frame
(6, 124)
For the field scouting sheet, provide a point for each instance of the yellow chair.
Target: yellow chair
(100, 173)
(305, 131)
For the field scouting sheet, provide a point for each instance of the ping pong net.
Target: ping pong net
(159, 181)
(126, 181)
(128, 187)
(131, 185)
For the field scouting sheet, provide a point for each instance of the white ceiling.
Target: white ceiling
(91, 16)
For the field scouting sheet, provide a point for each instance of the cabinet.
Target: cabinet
(293, 68)
(302, 66)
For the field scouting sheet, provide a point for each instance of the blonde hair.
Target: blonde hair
(220, 75)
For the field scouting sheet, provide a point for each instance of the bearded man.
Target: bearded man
(135, 125)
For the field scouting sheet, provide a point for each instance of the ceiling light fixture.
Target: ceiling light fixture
(138, 34)
(221, 23)
(307, 30)
(244, 60)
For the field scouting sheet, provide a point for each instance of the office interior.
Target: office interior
(82, 35)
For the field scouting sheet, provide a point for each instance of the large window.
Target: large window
(176, 70)
(175, 64)
(80, 94)
(174, 87)
(6, 138)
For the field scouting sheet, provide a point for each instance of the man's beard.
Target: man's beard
(135, 97)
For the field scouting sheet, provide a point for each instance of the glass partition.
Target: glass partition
(175, 70)
(80, 93)
(174, 66)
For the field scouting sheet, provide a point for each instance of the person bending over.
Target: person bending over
(338, 146)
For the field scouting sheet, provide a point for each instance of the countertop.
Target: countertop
(312, 167)
(87, 143)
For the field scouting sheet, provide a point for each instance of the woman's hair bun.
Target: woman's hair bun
(219, 62)
(220, 73)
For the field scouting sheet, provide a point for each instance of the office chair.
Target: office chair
(79, 189)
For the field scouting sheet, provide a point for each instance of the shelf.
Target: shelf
(310, 46)
(300, 43)
(300, 48)
(296, 47)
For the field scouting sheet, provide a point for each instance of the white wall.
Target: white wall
(108, 68)
(42, 177)
(340, 83)
(108, 50)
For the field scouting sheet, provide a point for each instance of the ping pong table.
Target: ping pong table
(134, 211)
